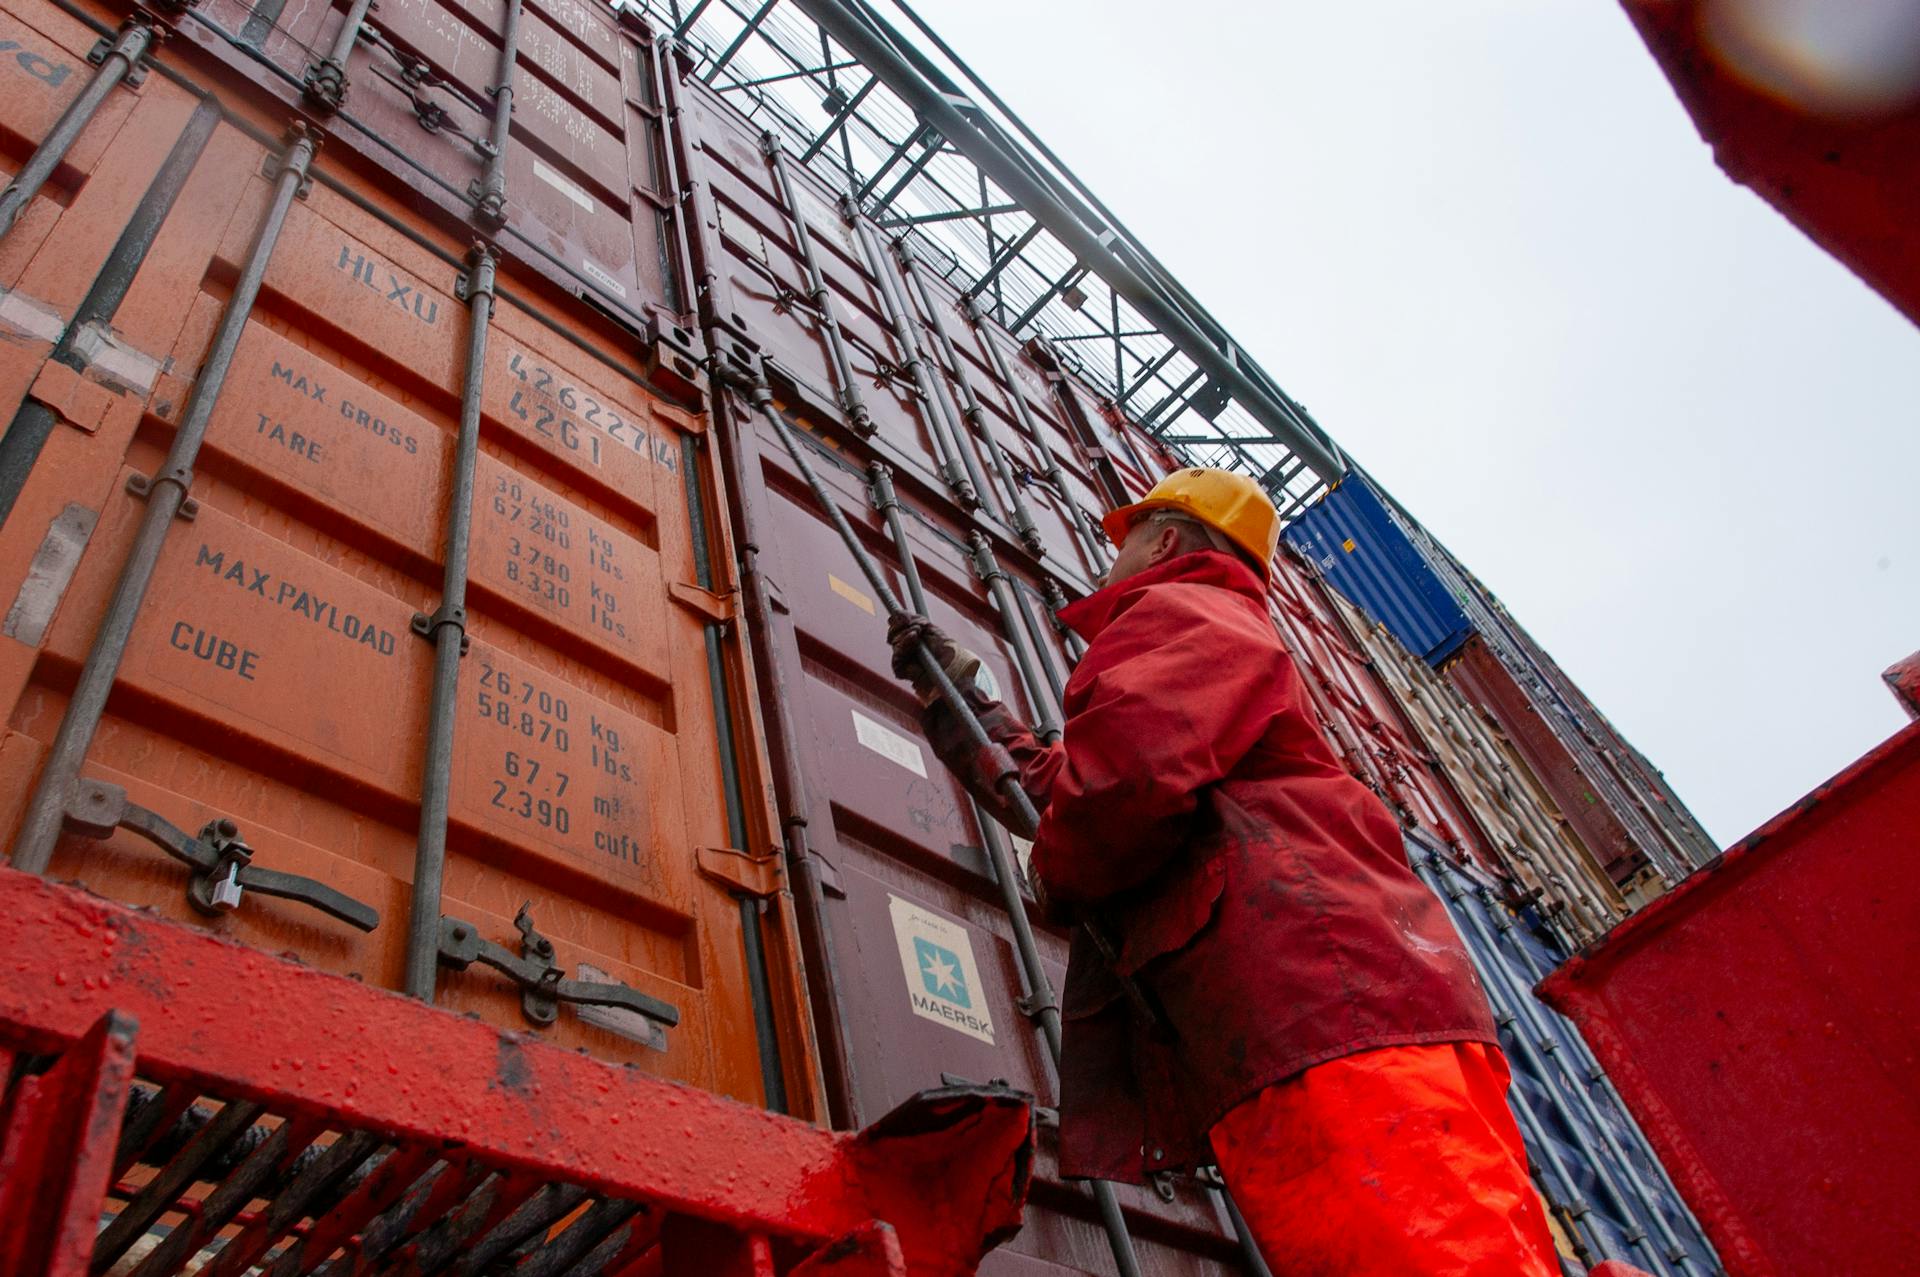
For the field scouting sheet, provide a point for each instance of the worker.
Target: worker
(1330, 1049)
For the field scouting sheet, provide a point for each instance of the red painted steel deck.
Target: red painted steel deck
(1763, 1023)
(360, 1122)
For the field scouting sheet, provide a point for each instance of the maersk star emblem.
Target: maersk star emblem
(940, 972)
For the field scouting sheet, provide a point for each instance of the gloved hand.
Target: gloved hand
(905, 634)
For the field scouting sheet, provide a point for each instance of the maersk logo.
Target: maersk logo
(942, 979)
(940, 972)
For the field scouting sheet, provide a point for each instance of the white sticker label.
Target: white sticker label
(28, 317)
(824, 218)
(604, 278)
(628, 1024)
(887, 743)
(943, 982)
(562, 184)
(1023, 852)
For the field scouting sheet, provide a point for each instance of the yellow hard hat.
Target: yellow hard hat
(1232, 504)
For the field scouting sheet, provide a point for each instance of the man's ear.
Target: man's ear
(1167, 541)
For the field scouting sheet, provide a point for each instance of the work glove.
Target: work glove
(905, 633)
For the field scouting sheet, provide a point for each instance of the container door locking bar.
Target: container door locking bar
(221, 860)
(543, 983)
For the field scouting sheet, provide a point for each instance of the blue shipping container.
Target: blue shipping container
(1353, 540)
(1599, 1176)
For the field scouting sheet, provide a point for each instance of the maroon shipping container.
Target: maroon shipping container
(1480, 676)
(893, 858)
(1763, 1023)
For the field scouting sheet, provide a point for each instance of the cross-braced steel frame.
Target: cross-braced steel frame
(903, 125)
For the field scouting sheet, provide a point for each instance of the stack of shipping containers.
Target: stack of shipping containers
(410, 463)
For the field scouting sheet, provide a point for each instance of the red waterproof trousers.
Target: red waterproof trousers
(1402, 1161)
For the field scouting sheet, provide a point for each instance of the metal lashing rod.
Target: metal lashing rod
(789, 780)
(987, 568)
(970, 411)
(1037, 638)
(1006, 776)
(128, 47)
(489, 192)
(822, 301)
(752, 940)
(446, 629)
(1249, 1249)
(325, 83)
(955, 467)
(1034, 430)
(1039, 1002)
(1057, 599)
(166, 494)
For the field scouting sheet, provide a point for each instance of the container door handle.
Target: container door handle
(222, 862)
(543, 983)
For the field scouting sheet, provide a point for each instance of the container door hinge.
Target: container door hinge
(222, 862)
(706, 603)
(755, 875)
(543, 983)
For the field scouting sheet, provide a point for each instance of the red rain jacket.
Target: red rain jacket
(1261, 892)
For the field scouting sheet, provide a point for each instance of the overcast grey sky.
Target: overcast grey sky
(1484, 244)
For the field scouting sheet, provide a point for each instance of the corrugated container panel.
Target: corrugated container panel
(1595, 810)
(1369, 731)
(1352, 539)
(1681, 835)
(1662, 831)
(1359, 542)
(1536, 845)
(274, 676)
(1607, 1192)
(757, 282)
(1761, 1022)
(583, 186)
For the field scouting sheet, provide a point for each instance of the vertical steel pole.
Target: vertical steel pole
(987, 568)
(489, 193)
(955, 467)
(1039, 1000)
(773, 1076)
(790, 788)
(1036, 637)
(325, 83)
(446, 629)
(1249, 1249)
(1057, 599)
(34, 422)
(128, 47)
(970, 410)
(850, 401)
(166, 494)
(1034, 429)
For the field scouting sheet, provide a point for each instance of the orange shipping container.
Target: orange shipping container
(604, 772)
